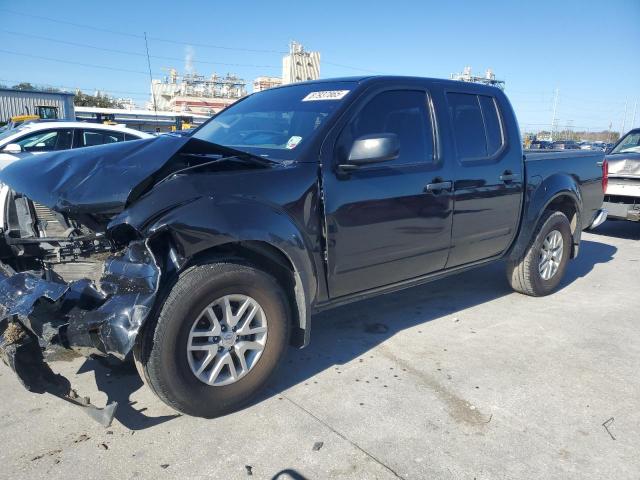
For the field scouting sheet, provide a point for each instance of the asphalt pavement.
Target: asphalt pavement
(461, 378)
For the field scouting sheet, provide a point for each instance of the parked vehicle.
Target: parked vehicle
(622, 196)
(204, 256)
(48, 136)
(565, 145)
(540, 145)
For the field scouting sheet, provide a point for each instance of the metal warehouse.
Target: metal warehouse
(30, 102)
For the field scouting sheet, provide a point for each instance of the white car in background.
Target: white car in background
(40, 137)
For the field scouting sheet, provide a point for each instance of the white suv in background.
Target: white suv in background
(39, 137)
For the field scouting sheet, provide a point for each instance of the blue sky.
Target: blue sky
(588, 50)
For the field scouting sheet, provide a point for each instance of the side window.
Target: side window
(98, 137)
(46, 141)
(403, 112)
(477, 128)
(128, 136)
(492, 124)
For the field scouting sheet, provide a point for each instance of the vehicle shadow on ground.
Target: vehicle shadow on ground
(350, 332)
(620, 229)
(119, 381)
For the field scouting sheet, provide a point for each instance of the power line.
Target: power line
(116, 32)
(166, 40)
(85, 88)
(137, 54)
(70, 62)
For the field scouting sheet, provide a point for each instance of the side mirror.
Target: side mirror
(12, 148)
(376, 148)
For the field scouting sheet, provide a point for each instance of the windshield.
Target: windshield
(4, 134)
(629, 144)
(276, 123)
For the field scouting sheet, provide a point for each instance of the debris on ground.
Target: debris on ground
(48, 454)
(249, 469)
(606, 427)
(104, 446)
(317, 446)
(164, 466)
(82, 438)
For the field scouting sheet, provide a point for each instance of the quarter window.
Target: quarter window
(403, 112)
(477, 128)
(96, 137)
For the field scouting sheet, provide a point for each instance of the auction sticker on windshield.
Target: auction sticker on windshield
(293, 142)
(325, 95)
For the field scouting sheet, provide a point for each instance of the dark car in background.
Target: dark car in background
(565, 145)
(540, 145)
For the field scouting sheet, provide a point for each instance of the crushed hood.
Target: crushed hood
(96, 180)
(624, 165)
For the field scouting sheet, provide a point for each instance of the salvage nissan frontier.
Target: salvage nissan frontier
(203, 257)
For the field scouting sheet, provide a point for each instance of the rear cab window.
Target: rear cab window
(478, 130)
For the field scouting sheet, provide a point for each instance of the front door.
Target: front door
(386, 222)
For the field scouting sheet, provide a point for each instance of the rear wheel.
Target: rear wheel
(220, 335)
(541, 268)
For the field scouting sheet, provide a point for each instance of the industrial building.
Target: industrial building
(300, 65)
(488, 79)
(263, 83)
(47, 105)
(193, 93)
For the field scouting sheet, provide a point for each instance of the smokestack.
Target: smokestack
(188, 59)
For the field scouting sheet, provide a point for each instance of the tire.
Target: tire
(163, 356)
(524, 273)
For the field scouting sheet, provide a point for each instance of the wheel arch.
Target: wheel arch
(251, 232)
(557, 193)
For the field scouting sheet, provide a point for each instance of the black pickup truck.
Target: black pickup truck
(204, 256)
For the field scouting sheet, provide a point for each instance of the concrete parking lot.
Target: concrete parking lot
(461, 378)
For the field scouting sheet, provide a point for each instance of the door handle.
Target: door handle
(508, 176)
(438, 186)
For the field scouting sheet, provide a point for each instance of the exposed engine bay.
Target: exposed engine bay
(46, 242)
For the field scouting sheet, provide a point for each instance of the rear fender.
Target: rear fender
(539, 197)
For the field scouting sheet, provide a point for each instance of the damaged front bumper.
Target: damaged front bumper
(42, 321)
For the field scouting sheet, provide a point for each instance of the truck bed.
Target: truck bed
(584, 165)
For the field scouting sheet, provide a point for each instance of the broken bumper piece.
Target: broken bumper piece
(42, 321)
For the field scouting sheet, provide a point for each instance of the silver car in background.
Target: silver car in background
(622, 195)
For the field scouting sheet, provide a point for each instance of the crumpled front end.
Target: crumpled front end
(43, 320)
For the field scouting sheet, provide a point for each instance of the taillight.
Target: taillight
(605, 176)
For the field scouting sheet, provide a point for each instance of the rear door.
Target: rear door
(488, 176)
(87, 137)
(384, 224)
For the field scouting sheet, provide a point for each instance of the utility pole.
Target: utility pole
(555, 107)
(153, 95)
(624, 119)
(633, 119)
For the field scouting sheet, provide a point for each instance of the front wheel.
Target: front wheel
(540, 269)
(220, 334)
